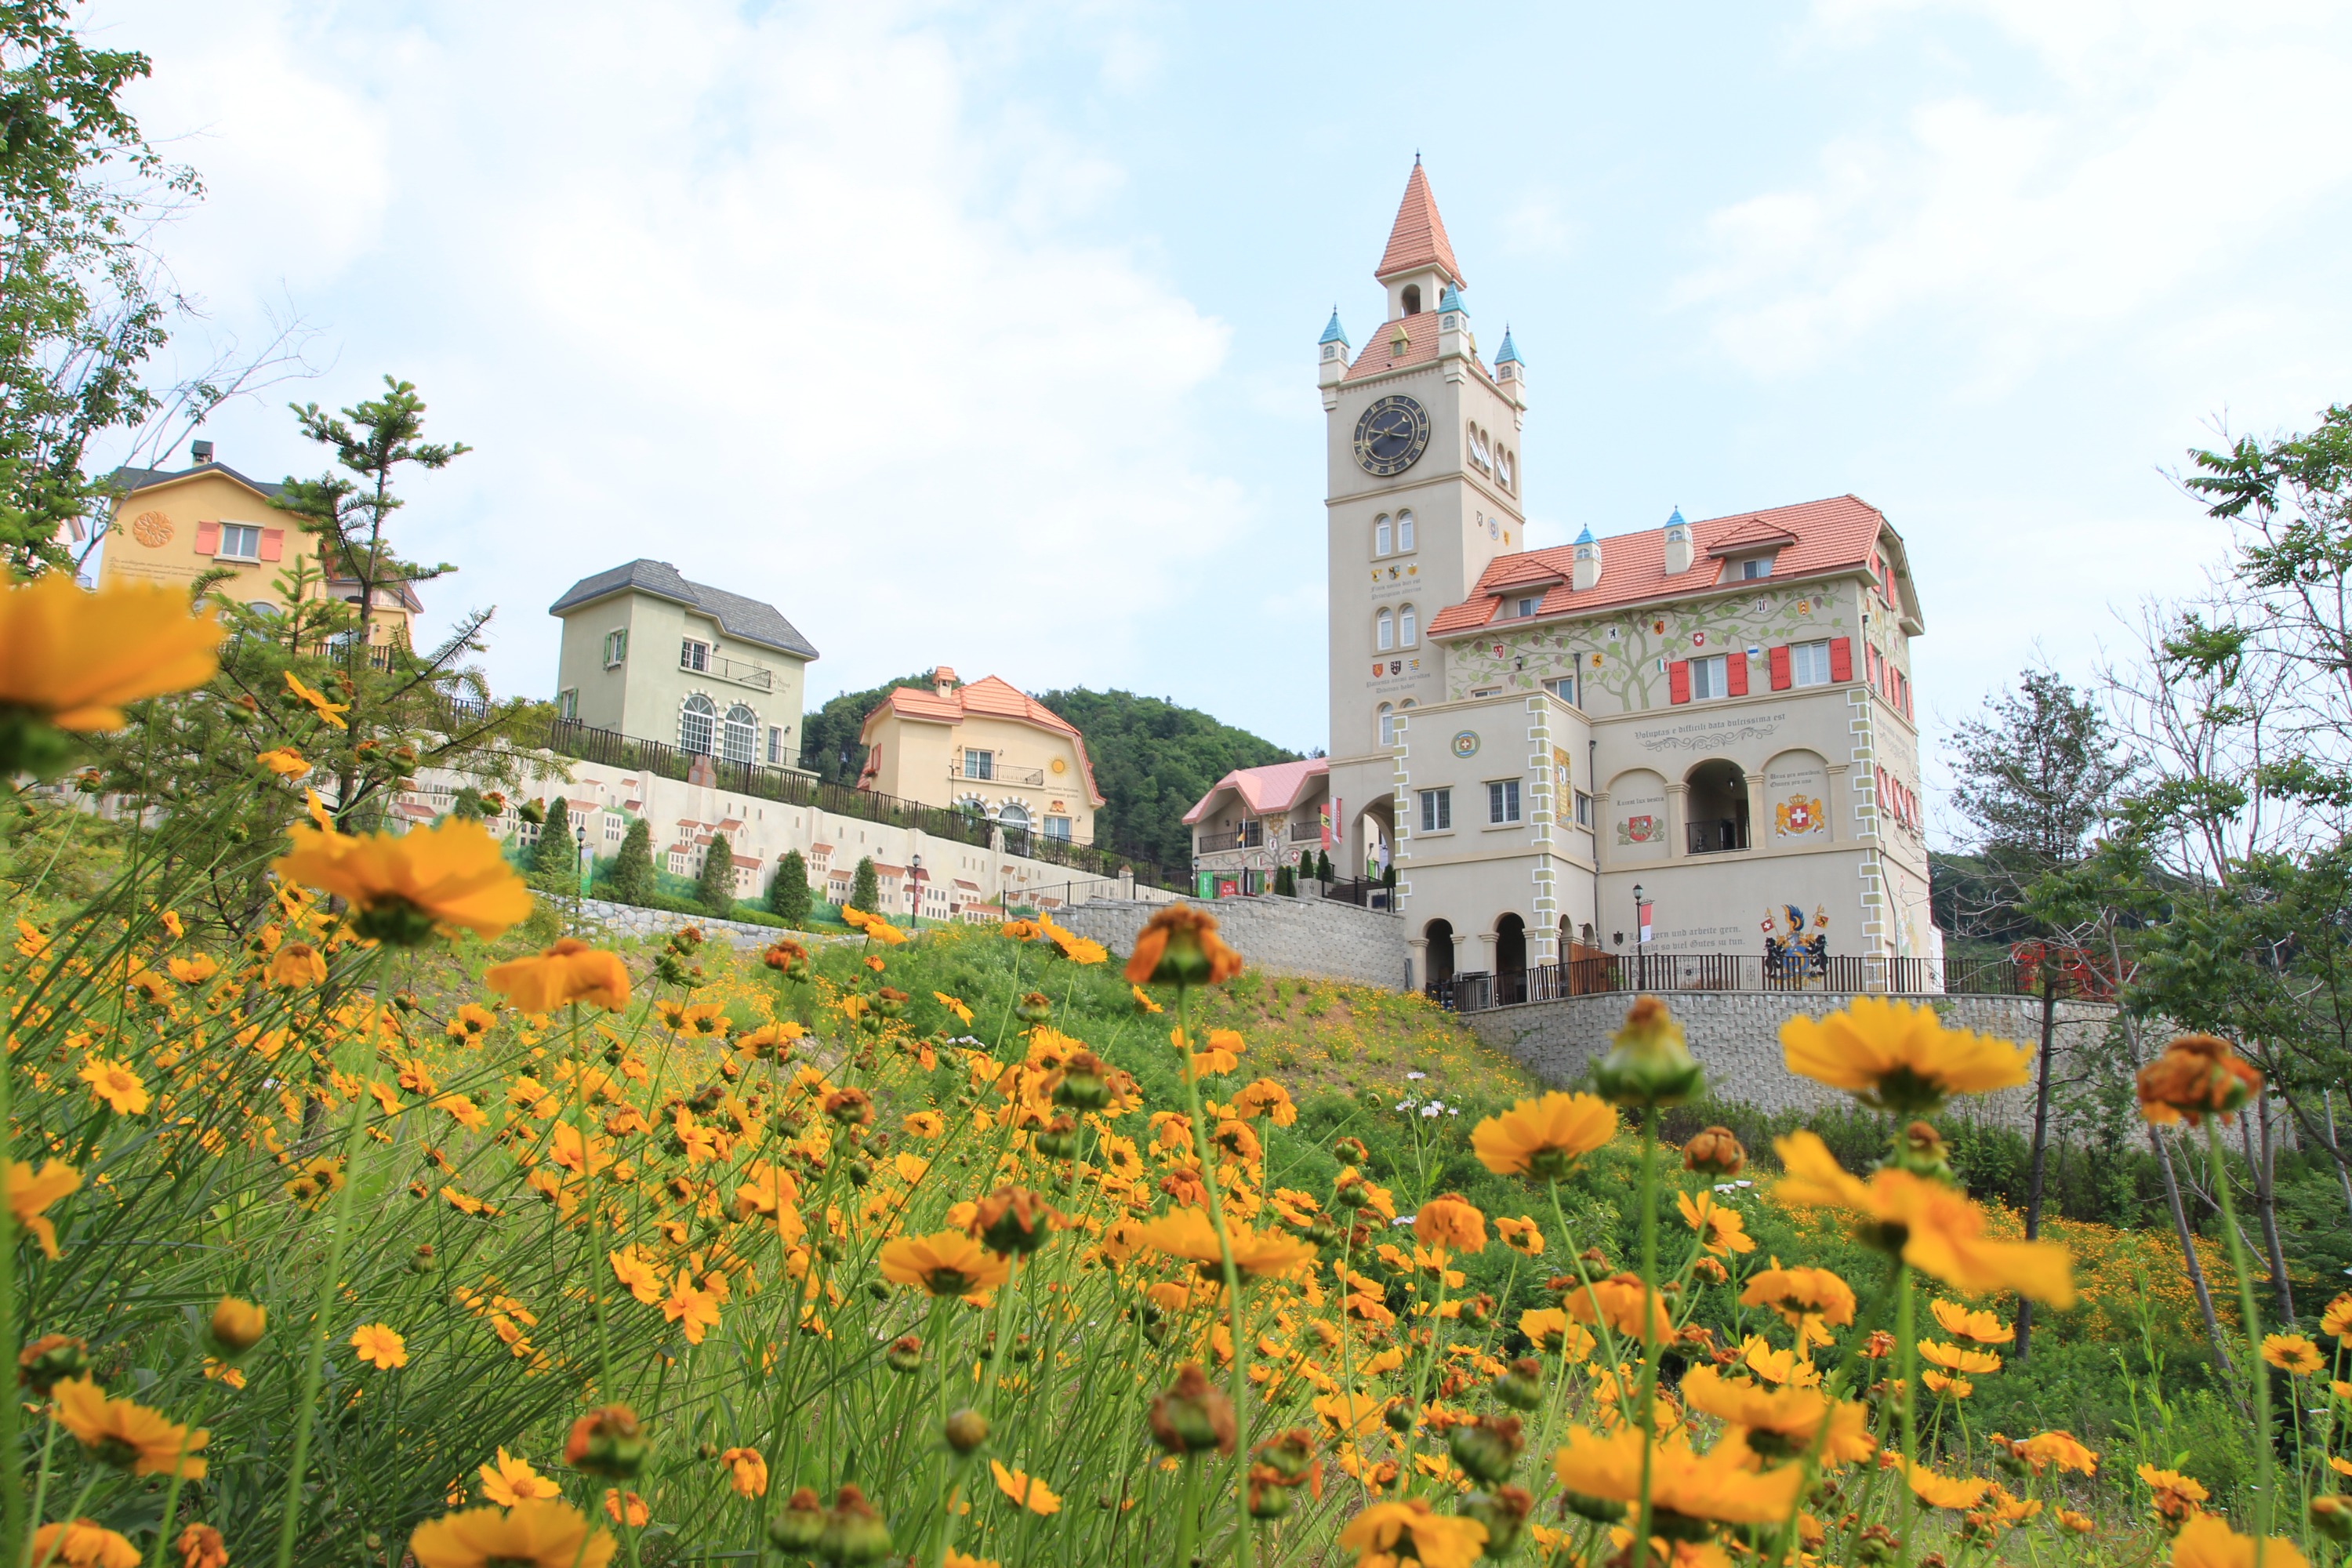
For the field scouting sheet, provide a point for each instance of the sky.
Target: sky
(984, 334)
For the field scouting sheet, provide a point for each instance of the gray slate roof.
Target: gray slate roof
(738, 616)
(129, 480)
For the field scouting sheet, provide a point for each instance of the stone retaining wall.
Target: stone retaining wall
(635, 919)
(1736, 1037)
(1280, 935)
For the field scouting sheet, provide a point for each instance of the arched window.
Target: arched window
(1380, 534)
(1413, 299)
(741, 736)
(1015, 816)
(1408, 628)
(1388, 725)
(1405, 530)
(696, 722)
(1385, 630)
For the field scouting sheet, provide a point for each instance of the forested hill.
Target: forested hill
(1152, 759)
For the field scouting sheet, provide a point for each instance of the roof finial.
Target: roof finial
(1416, 157)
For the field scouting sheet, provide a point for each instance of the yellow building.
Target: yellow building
(172, 527)
(987, 748)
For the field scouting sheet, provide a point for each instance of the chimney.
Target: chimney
(1678, 544)
(200, 451)
(1586, 573)
(943, 681)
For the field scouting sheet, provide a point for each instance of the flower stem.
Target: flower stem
(314, 1359)
(1907, 1336)
(1649, 1312)
(1238, 1378)
(1186, 1509)
(2246, 1306)
(12, 1493)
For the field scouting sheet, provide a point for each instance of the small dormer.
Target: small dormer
(1586, 572)
(1678, 544)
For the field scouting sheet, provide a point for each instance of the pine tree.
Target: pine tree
(633, 869)
(556, 861)
(715, 888)
(788, 895)
(1284, 883)
(866, 888)
(1323, 866)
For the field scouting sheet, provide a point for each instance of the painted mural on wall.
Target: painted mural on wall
(1796, 785)
(1637, 805)
(1789, 951)
(1620, 657)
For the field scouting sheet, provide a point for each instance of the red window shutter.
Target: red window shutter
(1840, 659)
(1734, 672)
(1780, 677)
(209, 539)
(273, 544)
(1678, 680)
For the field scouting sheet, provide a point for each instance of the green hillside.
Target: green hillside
(1152, 759)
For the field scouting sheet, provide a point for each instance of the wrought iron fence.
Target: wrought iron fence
(1665, 972)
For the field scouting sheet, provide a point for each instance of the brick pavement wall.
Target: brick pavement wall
(1736, 1035)
(1282, 936)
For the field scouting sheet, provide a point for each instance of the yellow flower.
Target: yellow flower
(2197, 1075)
(1026, 1490)
(946, 1263)
(953, 1005)
(1452, 1222)
(1897, 1056)
(297, 964)
(378, 1345)
(510, 1480)
(1143, 1002)
(1386, 1534)
(923, 1124)
(1782, 1423)
(2207, 1541)
(1723, 1231)
(237, 1325)
(1548, 1330)
(1522, 1236)
(1685, 1487)
(199, 1546)
(2337, 1318)
(1179, 946)
(1945, 1492)
(28, 1195)
(284, 761)
(1932, 1228)
(73, 659)
(697, 1310)
(121, 1431)
(631, 1511)
(1617, 1300)
(1962, 1323)
(2292, 1353)
(1187, 1233)
(82, 1543)
(1800, 1296)
(116, 1085)
(2062, 1449)
(535, 1534)
(191, 971)
(1954, 1387)
(405, 883)
(747, 1472)
(963, 1559)
(2176, 1496)
(571, 971)
(1544, 1137)
(328, 713)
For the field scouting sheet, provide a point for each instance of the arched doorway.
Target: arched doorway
(1440, 960)
(1510, 960)
(1716, 819)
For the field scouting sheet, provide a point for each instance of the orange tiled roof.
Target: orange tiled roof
(1839, 533)
(1418, 239)
(1421, 345)
(989, 695)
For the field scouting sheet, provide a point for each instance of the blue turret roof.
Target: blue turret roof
(1335, 332)
(1677, 519)
(1586, 537)
(1510, 353)
(1451, 300)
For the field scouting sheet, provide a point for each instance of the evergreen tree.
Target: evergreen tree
(1285, 883)
(866, 888)
(556, 860)
(633, 869)
(1323, 866)
(715, 889)
(788, 895)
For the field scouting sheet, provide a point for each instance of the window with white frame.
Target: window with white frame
(1562, 687)
(1388, 725)
(1384, 631)
(1437, 811)
(693, 655)
(1583, 809)
(1405, 530)
(240, 542)
(775, 746)
(567, 702)
(1058, 827)
(1502, 801)
(978, 764)
(741, 735)
(1707, 678)
(698, 725)
(1526, 605)
(1808, 663)
(1380, 534)
(1408, 627)
(616, 647)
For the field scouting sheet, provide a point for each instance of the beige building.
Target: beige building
(173, 526)
(1718, 712)
(1255, 821)
(987, 748)
(650, 654)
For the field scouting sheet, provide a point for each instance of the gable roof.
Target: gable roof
(1839, 533)
(989, 696)
(1274, 787)
(129, 481)
(750, 619)
(1418, 238)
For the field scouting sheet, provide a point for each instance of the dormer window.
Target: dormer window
(1413, 299)
(1748, 569)
(1526, 605)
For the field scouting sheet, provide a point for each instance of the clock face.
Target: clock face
(1392, 435)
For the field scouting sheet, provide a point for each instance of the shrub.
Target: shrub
(632, 878)
(866, 886)
(555, 861)
(714, 889)
(788, 891)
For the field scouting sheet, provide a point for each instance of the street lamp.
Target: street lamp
(1640, 966)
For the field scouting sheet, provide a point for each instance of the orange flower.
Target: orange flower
(1800, 1295)
(1186, 1233)
(747, 1472)
(1386, 1534)
(381, 1348)
(1179, 946)
(1931, 1228)
(2207, 1542)
(326, 713)
(1781, 1423)
(534, 1534)
(404, 884)
(1945, 1492)
(1617, 1300)
(947, 1263)
(509, 1479)
(1962, 1323)
(1450, 1221)
(28, 1195)
(200, 1546)
(283, 761)
(122, 1432)
(696, 1309)
(2337, 1318)
(2196, 1074)
(73, 660)
(295, 964)
(116, 1085)
(82, 1543)
(1544, 1137)
(1522, 1236)
(1025, 1489)
(2292, 1353)
(1897, 1056)
(1685, 1487)
(571, 971)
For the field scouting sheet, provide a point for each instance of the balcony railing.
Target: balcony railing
(758, 676)
(997, 773)
(1716, 836)
(1475, 991)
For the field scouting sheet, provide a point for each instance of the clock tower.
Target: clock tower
(1423, 447)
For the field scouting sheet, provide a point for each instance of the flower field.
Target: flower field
(372, 1231)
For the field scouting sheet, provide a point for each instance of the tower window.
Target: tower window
(1413, 299)
(1380, 534)
(1388, 725)
(1385, 626)
(698, 724)
(1408, 628)
(1405, 530)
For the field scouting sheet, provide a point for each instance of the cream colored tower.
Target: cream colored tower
(1424, 487)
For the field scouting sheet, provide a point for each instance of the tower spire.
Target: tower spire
(1418, 238)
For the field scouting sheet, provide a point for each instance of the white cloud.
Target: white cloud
(776, 296)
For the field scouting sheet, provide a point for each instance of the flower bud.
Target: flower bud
(904, 1354)
(2197, 1075)
(1648, 1063)
(1522, 1387)
(1058, 1140)
(2331, 1515)
(854, 1533)
(1268, 1499)
(1288, 1456)
(1014, 1219)
(966, 1430)
(1190, 1417)
(1503, 1512)
(800, 1526)
(607, 1442)
(1487, 1449)
(1083, 1084)
(1921, 1151)
(1035, 1008)
(1479, 1311)
(237, 1326)
(51, 1360)
(1400, 1417)
(1715, 1153)
(1351, 1193)
(1351, 1151)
